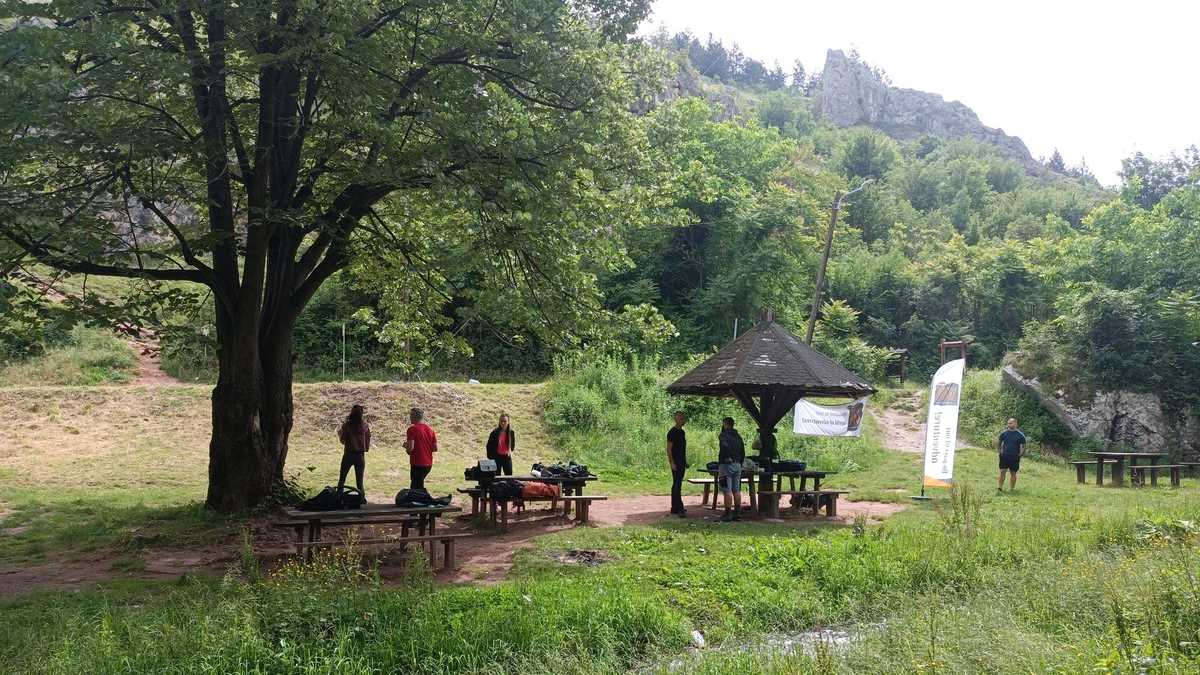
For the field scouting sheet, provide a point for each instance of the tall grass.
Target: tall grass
(331, 616)
(90, 356)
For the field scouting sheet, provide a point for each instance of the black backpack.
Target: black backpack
(505, 490)
(330, 499)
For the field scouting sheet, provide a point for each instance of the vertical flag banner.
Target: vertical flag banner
(941, 427)
(811, 419)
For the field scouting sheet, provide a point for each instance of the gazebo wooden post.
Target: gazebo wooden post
(766, 480)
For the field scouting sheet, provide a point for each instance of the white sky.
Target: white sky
(1097, 80)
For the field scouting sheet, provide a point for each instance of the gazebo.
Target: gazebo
(767, 369)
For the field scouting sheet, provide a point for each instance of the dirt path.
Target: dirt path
(146, 346)
(900, 425)
(482, 560)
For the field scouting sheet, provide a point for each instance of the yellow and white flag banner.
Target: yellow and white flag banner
(941, 427)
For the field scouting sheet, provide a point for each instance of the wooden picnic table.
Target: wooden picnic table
(568, 485)
(816, 476)
(1118, 474)
(749, 475)
(308, 524)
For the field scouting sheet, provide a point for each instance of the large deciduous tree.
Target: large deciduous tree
(253, 147)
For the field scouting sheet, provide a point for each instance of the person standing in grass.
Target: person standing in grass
(677, 460)
(1012, 449)
(501, 444)
(420, 446)
(731, 455)
(355, 436)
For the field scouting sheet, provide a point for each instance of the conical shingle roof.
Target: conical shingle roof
(768, 358)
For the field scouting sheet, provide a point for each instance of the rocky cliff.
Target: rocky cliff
(1130, 418)
(853, 93)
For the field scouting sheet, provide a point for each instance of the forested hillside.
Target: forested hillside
(948, 239)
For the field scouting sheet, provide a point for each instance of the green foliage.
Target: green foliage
(987, 404)
(837, 336)
(866, 154)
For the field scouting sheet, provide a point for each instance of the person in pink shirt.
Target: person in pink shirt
(355, 436)
(420, 446)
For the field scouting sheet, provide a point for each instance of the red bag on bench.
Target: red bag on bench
(531, 490)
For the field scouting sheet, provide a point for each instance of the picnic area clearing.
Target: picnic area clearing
(155, 582)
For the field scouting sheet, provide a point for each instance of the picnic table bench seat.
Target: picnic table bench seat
(582, 507)
(1137, 474)
(817, 498)
(710, 485)
(430, 542)
(1081, 469)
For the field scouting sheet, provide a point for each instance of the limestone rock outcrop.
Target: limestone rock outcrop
(1132, 418)
(853, 93)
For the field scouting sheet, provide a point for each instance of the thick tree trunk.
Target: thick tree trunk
(251, 416)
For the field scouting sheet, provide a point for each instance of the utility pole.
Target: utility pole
(833, 214)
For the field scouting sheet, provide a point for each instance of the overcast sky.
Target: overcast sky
(1096, 80)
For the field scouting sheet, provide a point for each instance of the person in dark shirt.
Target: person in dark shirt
(355, 436)
(501, 444)
(730, 457)
(1012, 449)
(677, 460)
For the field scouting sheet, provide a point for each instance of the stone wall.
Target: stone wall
(1133, 418)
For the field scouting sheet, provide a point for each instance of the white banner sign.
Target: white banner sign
(941, 427)
(829, 420)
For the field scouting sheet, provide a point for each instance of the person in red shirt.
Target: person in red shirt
(420, 446)
(355, 436)
(501, 444)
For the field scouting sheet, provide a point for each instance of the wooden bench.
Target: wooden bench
(826, 498)
(1081, 470)
(710, 484)
(582, 507)
(429, 541)
(1191, 467)
(1137, 474)
(479, 499)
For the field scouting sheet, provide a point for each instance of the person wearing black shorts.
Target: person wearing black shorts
(1012, 449)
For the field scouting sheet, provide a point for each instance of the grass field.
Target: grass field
(1056, 577)
(87, 467)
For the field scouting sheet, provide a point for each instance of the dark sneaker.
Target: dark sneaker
(737, 516)
(726, 517)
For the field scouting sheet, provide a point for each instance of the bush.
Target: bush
(576, 410)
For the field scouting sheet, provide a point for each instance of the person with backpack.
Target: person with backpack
(420, 446)
(355, 436)
(731, 456)
(500, 445)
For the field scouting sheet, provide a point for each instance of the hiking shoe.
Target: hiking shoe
(737, 516)
(726, 517)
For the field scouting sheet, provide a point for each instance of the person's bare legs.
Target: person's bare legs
(737, 505)
(1000, 481)
(727, 497)
(1012, 481)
